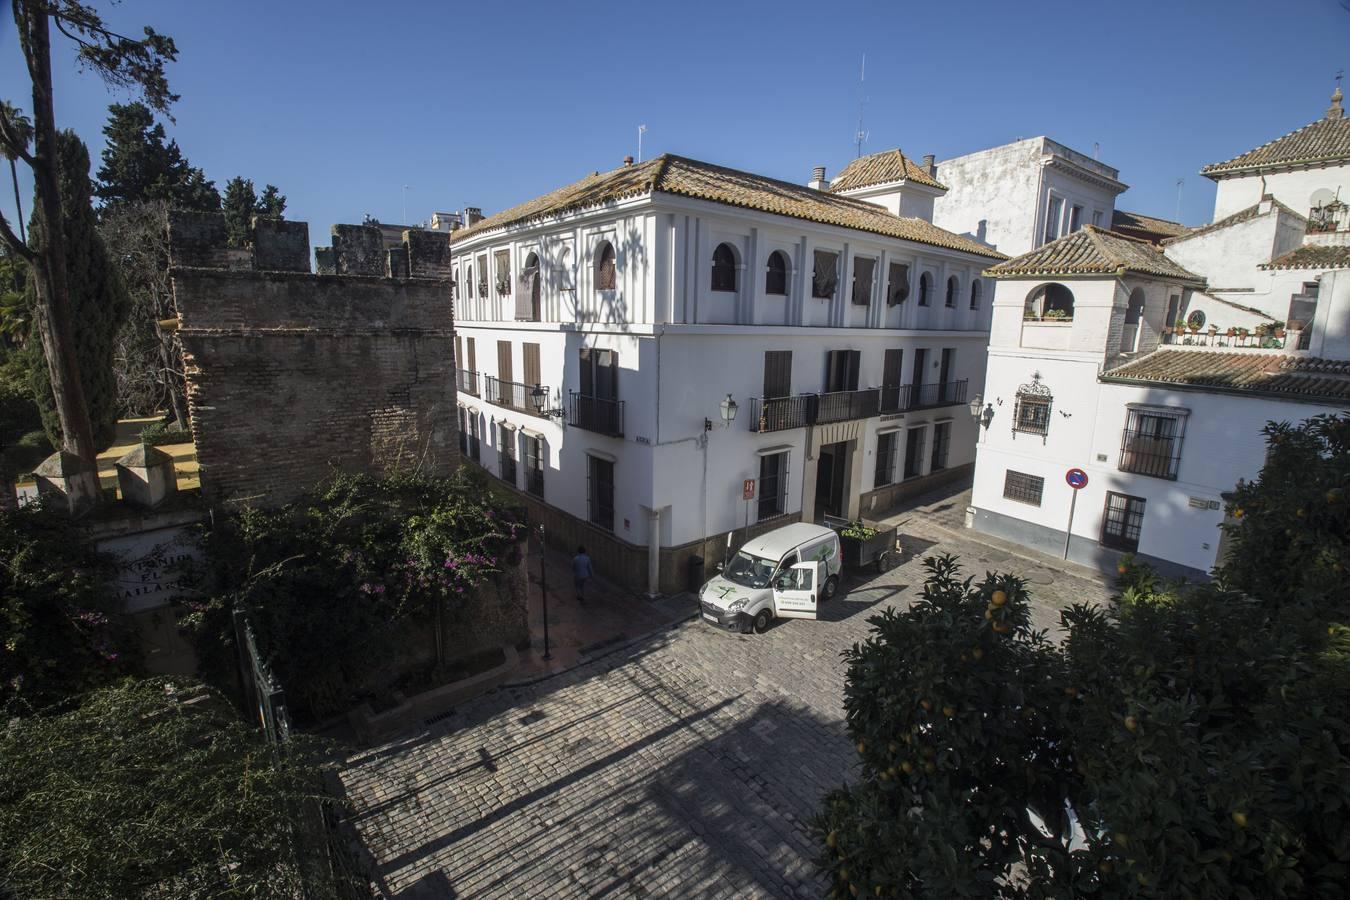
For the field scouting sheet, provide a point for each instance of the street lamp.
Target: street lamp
(982, 417)
(728, 409)
(537, 397)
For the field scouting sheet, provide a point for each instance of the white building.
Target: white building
(648, 302)
(1018, 196)
(1155, 370)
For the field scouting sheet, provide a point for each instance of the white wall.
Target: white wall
(1294, 189)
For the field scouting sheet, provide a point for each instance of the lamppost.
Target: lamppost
(727, 409)
(982, 417)
(543, 588)
(539, 398)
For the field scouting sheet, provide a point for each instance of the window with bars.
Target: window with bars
(475, 437)
(952, 288)
(863, 270)
(885, 470)
(1031, 414)
(600, 492)
(914, 452)
(1151, 442)
(1022, 487)
(724, 268)
(1122, 522)
(772, 485)
(825, 276)
(897, 286)
(463, 432)
(506, 453)
(776, 275)
(606, 273)
(534, 465)
(942, 441)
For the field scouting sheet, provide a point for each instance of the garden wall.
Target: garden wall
(291, 375)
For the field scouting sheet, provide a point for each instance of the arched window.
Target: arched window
(565, 274)
(952, 288)
(776, 276)
(605, 277)
(1050, 302)
(724, 268)
(925, 288)
(975, 294)
(528, 291)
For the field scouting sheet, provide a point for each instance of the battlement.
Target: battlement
(198, 240)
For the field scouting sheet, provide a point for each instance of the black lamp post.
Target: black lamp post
(543, 588)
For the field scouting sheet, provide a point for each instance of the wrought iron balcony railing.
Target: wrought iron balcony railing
(782, 413)
(939, 394)
(845, 406)
(512, 394)
(467, 380)
(598, 414)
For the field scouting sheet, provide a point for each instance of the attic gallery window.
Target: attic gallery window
(1031, 414)
(952, 289)
(503, 260)
(775, 277)
(925, 288)
(1052, 302)
(724, 268)
(825, 277)
(974, 295)
(863, 269)
(605, 277)
(897, 288)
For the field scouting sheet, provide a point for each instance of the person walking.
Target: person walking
(582, 571)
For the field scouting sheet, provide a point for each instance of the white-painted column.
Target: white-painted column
(653, 552)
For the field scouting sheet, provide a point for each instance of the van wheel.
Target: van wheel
(831, 587)
(762, 621)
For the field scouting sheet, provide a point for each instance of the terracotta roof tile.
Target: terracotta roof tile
(1300, 377)
(1326, 140)
(882, 168)
(718, 184)
(1092, 251)
(1127, 222)
(1237, 218)
(1312, 256)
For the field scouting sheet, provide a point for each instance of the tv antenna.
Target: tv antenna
(1180, 183)
(642, 129)
(860, 135)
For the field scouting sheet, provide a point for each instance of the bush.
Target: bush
(331, 578)
(1193, 741)
(160, 433)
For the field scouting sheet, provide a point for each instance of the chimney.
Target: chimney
(627, 162)
(818, 179)
(472, 215)
(930, 164)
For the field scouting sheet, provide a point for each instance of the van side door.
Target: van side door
(796, 591)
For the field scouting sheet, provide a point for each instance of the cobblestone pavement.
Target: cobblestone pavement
(688, 764)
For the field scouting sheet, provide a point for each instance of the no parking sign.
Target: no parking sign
(1076, 478)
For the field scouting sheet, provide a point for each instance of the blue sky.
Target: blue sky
(341, 104)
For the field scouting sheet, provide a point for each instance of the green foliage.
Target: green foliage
(242, 203)
(330, 576)
(139, 166)
(57, 627)
(159, 434)
(98, 301)
(858, 531)
(1192, 741)
(153, 788)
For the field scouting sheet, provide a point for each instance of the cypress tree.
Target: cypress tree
(98, 300)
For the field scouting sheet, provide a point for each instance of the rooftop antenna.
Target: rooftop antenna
(404, 220)
(1096, 150)
(642, 129)
(1180, 182)
(860, 136)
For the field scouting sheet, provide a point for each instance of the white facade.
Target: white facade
(1018, 196)
(681, 347)
(1300, 189)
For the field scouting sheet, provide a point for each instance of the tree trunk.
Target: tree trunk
(18, 200)
(9, 498)
(49, 274)
(171, 364)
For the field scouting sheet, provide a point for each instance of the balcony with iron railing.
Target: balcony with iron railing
(467, 381)
(512, 394)
(599, 414)
(1231, 339)
(938, 394)
(845, 406)
(782, 413)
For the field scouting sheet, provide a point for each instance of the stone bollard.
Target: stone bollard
(146, 476)
(69, 480)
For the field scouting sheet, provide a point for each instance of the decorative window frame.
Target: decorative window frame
(1032, 396)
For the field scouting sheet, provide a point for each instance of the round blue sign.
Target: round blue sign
(1076, 478)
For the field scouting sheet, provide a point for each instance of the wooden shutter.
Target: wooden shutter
(606, 374)
(459, 352)
(531, 361)
(945, 373)
(473, 358)
(920, 360)
(891, 368)
(504, 361)
(586, 375)
(777, 373)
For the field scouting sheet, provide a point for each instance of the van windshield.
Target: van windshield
(750, 571)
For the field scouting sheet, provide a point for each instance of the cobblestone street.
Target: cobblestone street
(686, 764)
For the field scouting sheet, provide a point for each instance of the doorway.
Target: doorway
(831, 463)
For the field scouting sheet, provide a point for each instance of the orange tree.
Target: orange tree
(1192, 740)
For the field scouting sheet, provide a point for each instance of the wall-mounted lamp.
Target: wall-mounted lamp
(983, 416)
(539, 398)
(727, 409)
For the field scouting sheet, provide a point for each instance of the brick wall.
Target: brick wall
(291, 375)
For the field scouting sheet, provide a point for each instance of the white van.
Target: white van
(783, 573)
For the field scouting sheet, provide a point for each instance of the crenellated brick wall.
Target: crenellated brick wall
(291, 375)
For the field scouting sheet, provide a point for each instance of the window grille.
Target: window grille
(534, 466)
(600, 492)
(885, 471)
(1151, 442)
(1022, 487)
(863, 269)
(772, 485)
(942, 440)
(724, 268)
(825, 277)
(1031, 413)
(506, 452)
(1122, 522)
(606, 275)
(914, 452)
(776, 278)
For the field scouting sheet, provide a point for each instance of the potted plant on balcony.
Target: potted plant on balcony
(1057, 315)
(1179, 325)
(1231, 332)
(503, 286)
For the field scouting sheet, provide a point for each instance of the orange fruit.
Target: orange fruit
(1131, 723)
(998, 598)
